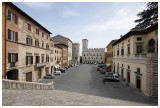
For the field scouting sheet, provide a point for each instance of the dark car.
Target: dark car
(103, 71)
(62, 69)
(49, 76)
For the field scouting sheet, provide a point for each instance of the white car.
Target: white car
(57, 72)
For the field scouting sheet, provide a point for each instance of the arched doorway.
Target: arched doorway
(151, 46)
(12, 75)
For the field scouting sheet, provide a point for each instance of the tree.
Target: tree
(147, 16)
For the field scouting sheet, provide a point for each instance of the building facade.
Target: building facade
(27, 46)
(75, 53)
(63, 40)
(136, 59)
(64, 54)
(109, 48)
(92, 55)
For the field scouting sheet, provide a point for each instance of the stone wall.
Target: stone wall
(11, 84)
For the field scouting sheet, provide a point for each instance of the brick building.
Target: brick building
(27, 46)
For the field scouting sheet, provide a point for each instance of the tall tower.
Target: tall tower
(84, 44)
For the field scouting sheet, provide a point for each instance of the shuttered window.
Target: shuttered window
(118, 52)
(12, 35)
(29, 26)
(12, 57)
(12, 17)
(36, 43)
(128, 49)
(37, 31)
(29, 60)
(28, 40)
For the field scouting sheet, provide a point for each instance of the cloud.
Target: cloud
(69, 14)
(38, 5)
(123, 19)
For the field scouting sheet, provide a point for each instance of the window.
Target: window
(139, 38)
(118, 52)
(37, 31)
(37, 59)
(29, 26)
(139, 49)
(28, 40)
(29, 60)
(42, 34)
(122, 51)
(138, 70)
(128, 49)
(128, 67)
(128, 40)
(51, 45)
(47, 36)
(55, 51)
(12, 17)
(42, 58)
(12, 57)
(47, 58)
(36, 43)
(51, 59)
(55, 57)
(47, 46)
(12, 35)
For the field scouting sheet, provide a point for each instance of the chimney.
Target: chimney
(121, 36)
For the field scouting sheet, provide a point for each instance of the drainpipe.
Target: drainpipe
(5, 43)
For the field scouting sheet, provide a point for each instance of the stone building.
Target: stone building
(109, 48)
(92, 55)
(64, 54)
(75, 53)
(57, 57)
(27, 46)
(135, 59)
(63, 40)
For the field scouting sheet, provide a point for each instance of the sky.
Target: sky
(99, 22)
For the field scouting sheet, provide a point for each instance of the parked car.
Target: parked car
(103, 71)
(111, 77)
(49, 76)
(57, 72)
(62, 70)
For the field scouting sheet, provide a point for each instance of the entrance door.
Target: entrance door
(128, 76)
(138, 79)
(29, 76)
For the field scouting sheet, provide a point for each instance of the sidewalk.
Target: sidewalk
(59, 98)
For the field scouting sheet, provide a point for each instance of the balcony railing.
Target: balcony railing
(40, 64)
(13, 64)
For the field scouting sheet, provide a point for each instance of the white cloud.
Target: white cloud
(38, 4)
(69, 14)
(123, 19)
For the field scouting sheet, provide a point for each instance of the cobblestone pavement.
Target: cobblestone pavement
(59, 98)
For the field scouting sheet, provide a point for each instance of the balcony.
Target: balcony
(13, 64)
(40, 65)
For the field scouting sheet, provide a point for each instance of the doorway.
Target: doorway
(128, 76)
(138, 80)
(12, 75)
(29, 76)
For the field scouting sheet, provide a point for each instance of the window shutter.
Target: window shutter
(9, 34)
(26, 40)
(31, 41)
(35, 42)
(16, 57)
(31, 59)
(16, 19)
(9, 57)
(16, 36)
(26, 60)
(9, 15)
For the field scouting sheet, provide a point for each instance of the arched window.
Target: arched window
(151, 46)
